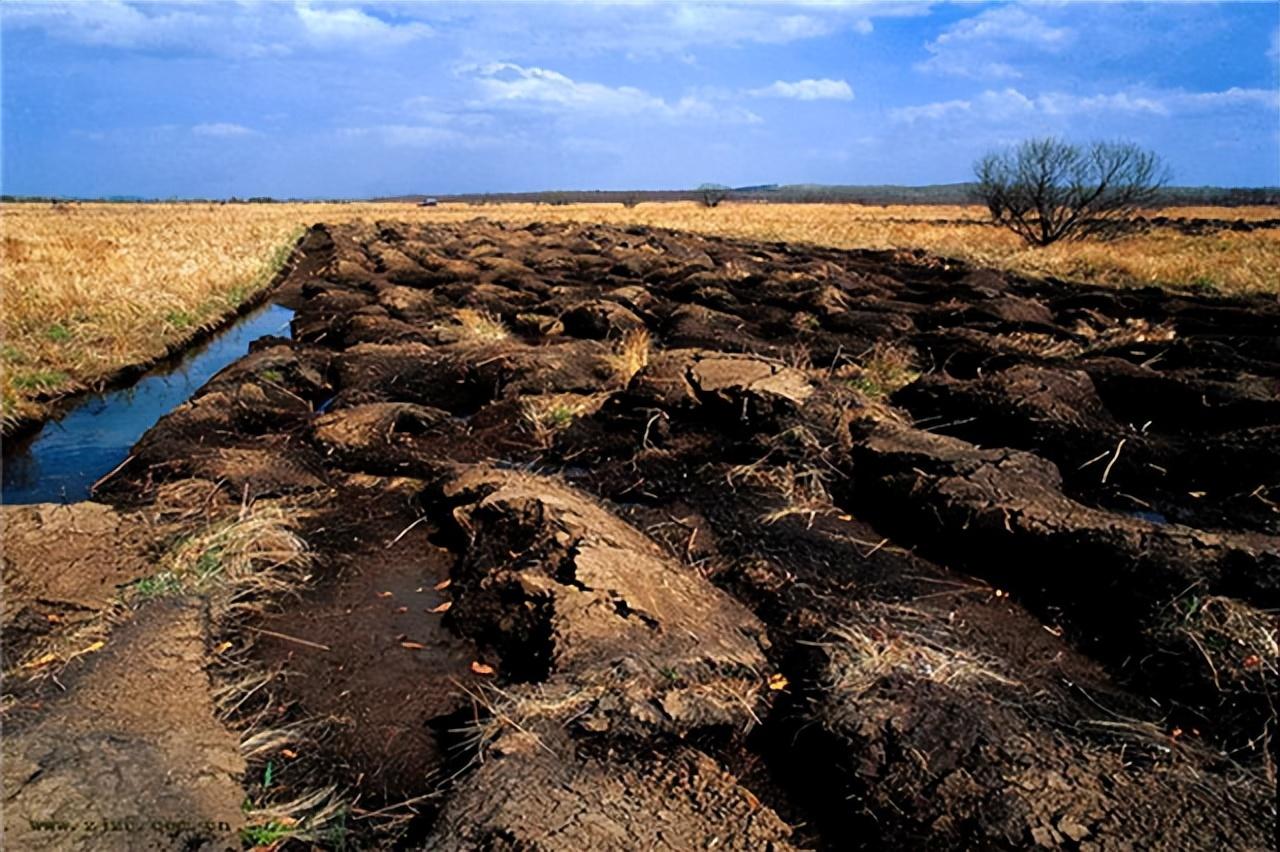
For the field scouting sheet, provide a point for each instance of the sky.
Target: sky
(316, 99)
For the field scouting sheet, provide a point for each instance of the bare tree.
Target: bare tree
(1047, 190)
(712, 194)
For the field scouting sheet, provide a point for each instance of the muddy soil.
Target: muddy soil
(626, 538)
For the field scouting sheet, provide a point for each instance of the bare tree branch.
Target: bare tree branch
(1047, 190)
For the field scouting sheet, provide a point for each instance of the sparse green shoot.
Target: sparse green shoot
(39, 381)
(57, 333)
(885, 370)
(180, 320)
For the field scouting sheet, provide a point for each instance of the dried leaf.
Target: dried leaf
(444, 607)
(481, 669)
(413, 646)
(442, 585)
(384, 594)
(289, 753)
(777, 682)
(402, 609)
(40, 661)
(222, 647)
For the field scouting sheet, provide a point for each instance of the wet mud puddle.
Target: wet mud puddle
(63, 460)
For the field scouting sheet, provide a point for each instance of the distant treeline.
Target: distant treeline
(947, 193)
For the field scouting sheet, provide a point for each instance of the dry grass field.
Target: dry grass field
(86, 289)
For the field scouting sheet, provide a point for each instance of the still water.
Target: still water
(63, 460)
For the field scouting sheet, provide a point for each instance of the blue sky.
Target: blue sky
(315, 99)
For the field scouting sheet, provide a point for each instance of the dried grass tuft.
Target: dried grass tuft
(481, 325)
(631, 355)
(547, 414)
(253, 557)
(317, 816)
(1240, 644)
(900, 640)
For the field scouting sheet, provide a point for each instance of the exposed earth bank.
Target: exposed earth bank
(564, 537)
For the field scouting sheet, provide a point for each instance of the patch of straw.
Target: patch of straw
(481, 325)
(631, 354)
(898, 640)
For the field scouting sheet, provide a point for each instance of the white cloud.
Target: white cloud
(976, 47)
(222, 129)
(230, 29)
(1003, 104)
(1059, 103)
(665, 28)
(1233, 97)
(506, 85)
(257, 29)
(1010, 103)
(929, 112)
(807, 90)
(352, 26)
(112, 23)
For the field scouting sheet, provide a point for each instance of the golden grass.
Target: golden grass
(631, 353)
(547, 414)
(481, 325)
(86, 289)
(254, 556)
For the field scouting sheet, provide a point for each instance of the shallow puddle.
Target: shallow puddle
(63, 460)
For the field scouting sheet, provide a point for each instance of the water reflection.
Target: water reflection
(63, 460)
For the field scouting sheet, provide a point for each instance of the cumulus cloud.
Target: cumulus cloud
(978, 47)
(807, 90)
(222, 129)
(506, 85)
(328, 26)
